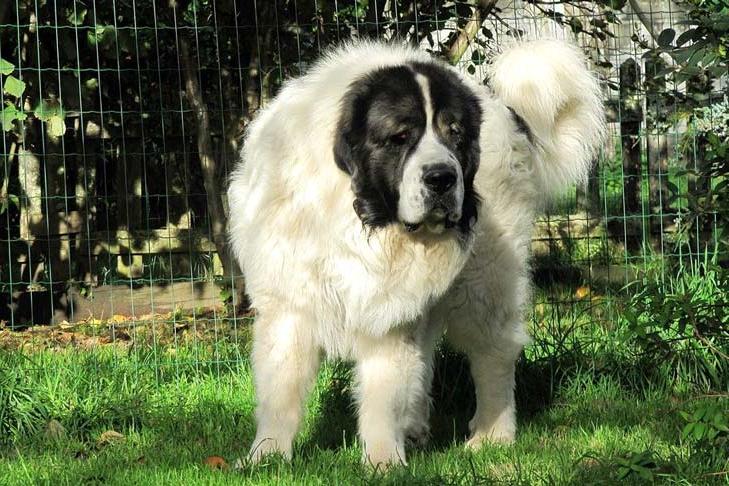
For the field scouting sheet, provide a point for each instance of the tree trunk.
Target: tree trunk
(31, 217)
(657, 145)
(630, 119)
(208, 162)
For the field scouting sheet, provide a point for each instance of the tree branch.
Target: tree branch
(482, 8)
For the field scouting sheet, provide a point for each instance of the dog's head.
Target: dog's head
(409, 138)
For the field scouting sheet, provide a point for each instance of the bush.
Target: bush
(682, 321)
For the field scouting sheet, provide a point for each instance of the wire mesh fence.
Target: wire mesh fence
(121, 120)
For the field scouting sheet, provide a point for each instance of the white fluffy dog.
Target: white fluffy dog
(383, 198)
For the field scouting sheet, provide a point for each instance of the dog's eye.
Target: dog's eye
(455, 129)
(400, 137)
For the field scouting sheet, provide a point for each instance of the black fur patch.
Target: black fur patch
(521, 124)
(376, 108)
(382, 120)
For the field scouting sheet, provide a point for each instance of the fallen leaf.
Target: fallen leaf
(109, 437)
(118, 319)
(54, 430)
(215, 462)
(66, 325)
(582, 292)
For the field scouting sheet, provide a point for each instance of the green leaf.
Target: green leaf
(666, 37)
(47, 109)
(7, 201)
(76, 18)
(14, 87)
(9, 115)
(687, 430)
(6, 67)
(685, 37)
(699, 430)
(477, 57)
(56, 126)
(699, 414)
(102, 35)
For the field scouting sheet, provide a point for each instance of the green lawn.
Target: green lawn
(588, 410)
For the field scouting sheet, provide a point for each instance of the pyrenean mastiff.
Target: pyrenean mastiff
(384, 198)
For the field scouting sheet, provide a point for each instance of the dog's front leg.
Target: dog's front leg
(285, 363)
(392, 373)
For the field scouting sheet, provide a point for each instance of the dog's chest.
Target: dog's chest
(388, 279)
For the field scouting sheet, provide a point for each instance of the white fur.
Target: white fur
(322, 284)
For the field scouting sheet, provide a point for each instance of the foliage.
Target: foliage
(641, 464)
(697, 60)
(707, 140)
(13, 88)
(701, 51)
(683, 320)
(708, 424)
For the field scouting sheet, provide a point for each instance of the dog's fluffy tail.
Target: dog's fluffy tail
(548, 84)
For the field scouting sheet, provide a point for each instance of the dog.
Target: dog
(384, 199)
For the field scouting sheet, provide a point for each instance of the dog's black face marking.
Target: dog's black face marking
(382, 121)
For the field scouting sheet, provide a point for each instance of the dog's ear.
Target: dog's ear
(343, 150)
(351, 128)
(346, 132)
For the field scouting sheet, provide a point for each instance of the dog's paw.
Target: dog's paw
(501, 431)
(263, 447)
(479, 439)
(383, 456)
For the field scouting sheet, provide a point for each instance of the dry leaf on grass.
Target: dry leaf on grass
(119, 319)
(109, 437)
(582, 292)
(215, 462)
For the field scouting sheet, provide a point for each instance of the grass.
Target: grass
(590, 412)
(611, 389)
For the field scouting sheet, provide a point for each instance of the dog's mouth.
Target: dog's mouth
(437, 221)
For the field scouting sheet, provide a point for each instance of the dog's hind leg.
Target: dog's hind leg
(285, 364)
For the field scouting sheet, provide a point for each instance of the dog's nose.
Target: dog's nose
(440, 178)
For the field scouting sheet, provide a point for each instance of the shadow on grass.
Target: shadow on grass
(539, 384)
